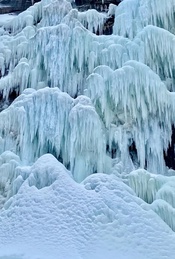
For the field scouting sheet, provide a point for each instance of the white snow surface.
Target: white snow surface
(71, 183)
(4, 18)
(99, 218)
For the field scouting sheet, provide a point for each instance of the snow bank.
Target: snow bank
(96, 219)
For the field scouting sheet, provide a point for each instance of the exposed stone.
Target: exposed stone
(99, 5)
(7, 6)
(6, 9)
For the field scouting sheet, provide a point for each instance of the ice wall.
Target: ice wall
(99, 104)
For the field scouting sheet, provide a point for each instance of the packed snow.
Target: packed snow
(4, 18)
(86, 121)
(99, 218)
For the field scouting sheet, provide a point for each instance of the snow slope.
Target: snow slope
(100, 218)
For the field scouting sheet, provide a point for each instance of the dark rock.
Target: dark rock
(7, 6)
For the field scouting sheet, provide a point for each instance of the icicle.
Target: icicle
(8, 163)
(145, 185)
(86, 140)
(127, 97)
(54, 12)
(132, 16)
(72, 131)
(165, 211)
(93, 20)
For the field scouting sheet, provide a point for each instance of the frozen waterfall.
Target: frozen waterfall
(103, 107)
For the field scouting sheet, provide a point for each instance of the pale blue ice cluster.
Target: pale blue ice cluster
(82, 145)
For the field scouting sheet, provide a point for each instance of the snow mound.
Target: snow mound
(67, 218)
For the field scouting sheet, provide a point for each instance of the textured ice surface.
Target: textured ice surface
(63, 132)
(103, 106)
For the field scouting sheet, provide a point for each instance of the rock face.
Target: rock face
(82, 2)
(7, 6)
(99, 5)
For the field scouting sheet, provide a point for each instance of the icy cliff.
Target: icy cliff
(103, 107)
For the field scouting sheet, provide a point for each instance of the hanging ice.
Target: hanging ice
(100, 105)
(62, 132)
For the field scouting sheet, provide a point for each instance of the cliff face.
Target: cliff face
(81, 2)
(15, 5)
(7, 6)
(99, 5)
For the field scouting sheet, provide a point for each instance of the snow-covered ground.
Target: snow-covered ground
(100, 218)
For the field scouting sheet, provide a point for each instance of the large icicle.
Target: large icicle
(8, 163)
(68, 53)
(132, 16)
(49, 120)
(133, 99)
(86, 139)
(157, 190)
(92, 20)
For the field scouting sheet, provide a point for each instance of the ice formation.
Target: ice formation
(103, 106)
(62, 133)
